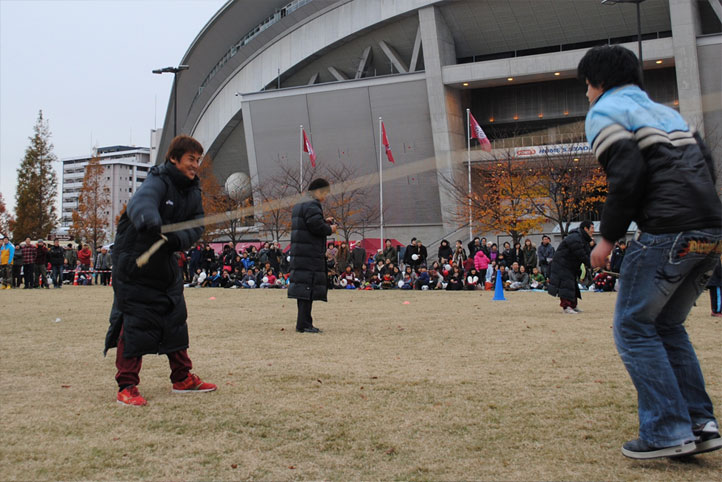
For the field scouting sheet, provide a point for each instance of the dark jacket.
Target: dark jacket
(445, 251)
(149, 303)
(56, 255)
(572, 252)
(545, 251)
(358, 257)
(308, 251)
(660, 173)
(529, 255)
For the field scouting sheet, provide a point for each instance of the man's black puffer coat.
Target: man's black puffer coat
(573, 251)
(308, 251)
(149, 303)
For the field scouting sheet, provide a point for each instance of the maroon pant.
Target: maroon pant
(129, 368)
(568, 303)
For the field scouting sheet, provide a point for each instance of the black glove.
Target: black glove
(149, 226)
(173, 244)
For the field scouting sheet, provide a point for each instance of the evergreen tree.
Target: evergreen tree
(6, 220)
(35, 211)
(91, 221)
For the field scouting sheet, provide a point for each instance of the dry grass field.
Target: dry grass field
(452, 386)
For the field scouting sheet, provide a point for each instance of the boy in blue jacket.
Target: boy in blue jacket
(661, 175)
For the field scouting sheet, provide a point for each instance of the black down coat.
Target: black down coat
(149, 303)
(308, 251)
(566, 265)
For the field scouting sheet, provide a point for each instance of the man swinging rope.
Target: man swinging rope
(149, 311)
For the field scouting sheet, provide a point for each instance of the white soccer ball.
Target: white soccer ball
(415, 257)
(251, 283)
(288, 258)
(343, 282)
(279, 282)
(444, 284)
(238, 186)
(400, 284)
(265, 279)
(425, 287)
(476, 279)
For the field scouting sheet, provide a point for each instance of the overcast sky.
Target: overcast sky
(87, 64)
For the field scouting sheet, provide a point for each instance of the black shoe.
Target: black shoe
(312, 329)
(707, 437)
(639, 449)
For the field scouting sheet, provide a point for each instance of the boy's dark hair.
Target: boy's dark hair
(317, 184)
(610, 66)
(585, 224)
(182, 144)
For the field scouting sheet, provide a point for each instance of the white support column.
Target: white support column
(445, 109)
(365, 58)
(393, 57)
(417, 49)
(684, 40)
(338, 75)
(313, 79)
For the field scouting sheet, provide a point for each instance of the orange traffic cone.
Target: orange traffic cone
(75, 279)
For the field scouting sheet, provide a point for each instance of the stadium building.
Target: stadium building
(261, 68)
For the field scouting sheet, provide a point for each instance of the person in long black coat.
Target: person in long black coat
(573, 251)
(149, 311)
(308, 253)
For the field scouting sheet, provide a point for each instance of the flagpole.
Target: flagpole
(300, 158)
(468, 162)
(381, 184)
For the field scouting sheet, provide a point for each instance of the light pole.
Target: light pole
(639, 25)
(174, 71)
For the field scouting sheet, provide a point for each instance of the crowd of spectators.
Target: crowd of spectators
(473, 266)
(37, 264)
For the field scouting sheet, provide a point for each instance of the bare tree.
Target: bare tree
(500, 200)
(351, 208)
(563, 187)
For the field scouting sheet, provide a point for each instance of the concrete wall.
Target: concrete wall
(710, 70)
(343, 127)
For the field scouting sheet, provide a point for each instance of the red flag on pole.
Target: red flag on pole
(478, 133)
(308, 148)
(385, 141)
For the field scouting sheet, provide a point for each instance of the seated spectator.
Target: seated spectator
(473, 280)
(269, 279)
(225, 280)
(604, 281)
(517, 278)
(198, 278)
(422, 279)
(349, 279)
(537, 281)
(213, 280)
(249, 280)
(436, 280)
(456, 279)
(387, 280)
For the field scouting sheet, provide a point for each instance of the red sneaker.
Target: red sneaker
(131, 396)
(193, 384)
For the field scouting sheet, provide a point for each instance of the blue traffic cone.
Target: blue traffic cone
(498, 288)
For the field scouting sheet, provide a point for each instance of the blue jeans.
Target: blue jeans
(57, 275)
(661, 277)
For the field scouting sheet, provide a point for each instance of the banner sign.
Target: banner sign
(552, 150)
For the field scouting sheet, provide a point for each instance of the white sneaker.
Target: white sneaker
(577, 310)
(569, 311)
